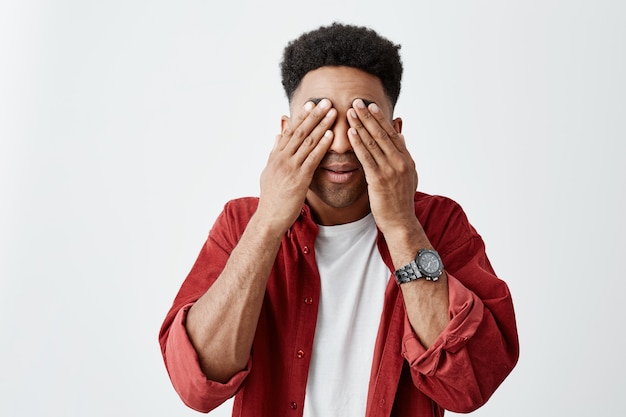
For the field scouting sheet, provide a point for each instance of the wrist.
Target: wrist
(273, 219)
(267, 227)
(404, 243)
(427, 265)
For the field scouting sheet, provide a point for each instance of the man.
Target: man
(327, 295)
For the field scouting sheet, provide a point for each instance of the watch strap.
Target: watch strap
(408, 273)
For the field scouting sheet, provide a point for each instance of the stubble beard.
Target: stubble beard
(339, 195)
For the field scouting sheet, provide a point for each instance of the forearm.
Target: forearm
(426, 302)
(461, 363)
(476, 351)
(222, 323)
(427, 307)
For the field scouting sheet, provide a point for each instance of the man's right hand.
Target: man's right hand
(221, 325)
(297, 153)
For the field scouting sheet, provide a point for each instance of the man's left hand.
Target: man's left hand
(389, 168)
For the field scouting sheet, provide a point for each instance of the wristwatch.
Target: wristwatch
(427, 264)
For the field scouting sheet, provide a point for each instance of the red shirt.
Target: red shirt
(459, 372)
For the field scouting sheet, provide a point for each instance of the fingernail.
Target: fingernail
(324, 104)
(374, 108)
(359, 103)
(352, 114)
(308, 105)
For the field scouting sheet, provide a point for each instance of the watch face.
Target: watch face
(429, 262)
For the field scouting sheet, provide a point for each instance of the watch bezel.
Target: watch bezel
(430, 276)
(414, 270)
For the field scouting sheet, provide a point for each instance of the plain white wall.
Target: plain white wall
(126, 125)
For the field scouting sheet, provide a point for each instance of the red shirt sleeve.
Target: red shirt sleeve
(184, 370)
(479, 347)
(181, 360)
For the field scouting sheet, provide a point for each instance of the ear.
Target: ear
(397, 124)
(284, 123)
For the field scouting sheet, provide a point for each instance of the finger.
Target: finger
(287, 131)
(362, 152)
(313, 157)
(365, 140)
(312, 141)
(277, 142)
(396, 137)
(310, 126)
(378, 128)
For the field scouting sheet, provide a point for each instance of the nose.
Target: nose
(341, 143)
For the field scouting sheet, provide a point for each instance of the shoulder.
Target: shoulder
(427, 205)
(243, 206)
(234, 218)
(444, 221)
(239, 210)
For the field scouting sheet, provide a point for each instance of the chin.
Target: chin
(340, 197)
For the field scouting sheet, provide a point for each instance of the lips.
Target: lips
(340, 169)
(339, 173)
(340, 163)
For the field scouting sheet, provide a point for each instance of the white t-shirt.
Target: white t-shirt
(353, 278)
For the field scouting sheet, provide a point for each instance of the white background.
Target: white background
(126, 125)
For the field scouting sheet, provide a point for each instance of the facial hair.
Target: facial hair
(334, 194)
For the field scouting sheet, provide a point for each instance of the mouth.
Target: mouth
(339, 171)
(339, 174)
(340, 168)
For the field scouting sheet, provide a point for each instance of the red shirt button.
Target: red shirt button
(308, 300)
(294, 405)
(300, 354)
(305, 250)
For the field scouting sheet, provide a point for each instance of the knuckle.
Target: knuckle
(371, 143)
(318, 113)
(381, 133)
(388, 172)
(309, 141)
(301, 118)
(288, 131)
(367, 159)
(298, 134)
(403, 169)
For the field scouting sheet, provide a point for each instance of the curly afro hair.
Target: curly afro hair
(342, 45)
